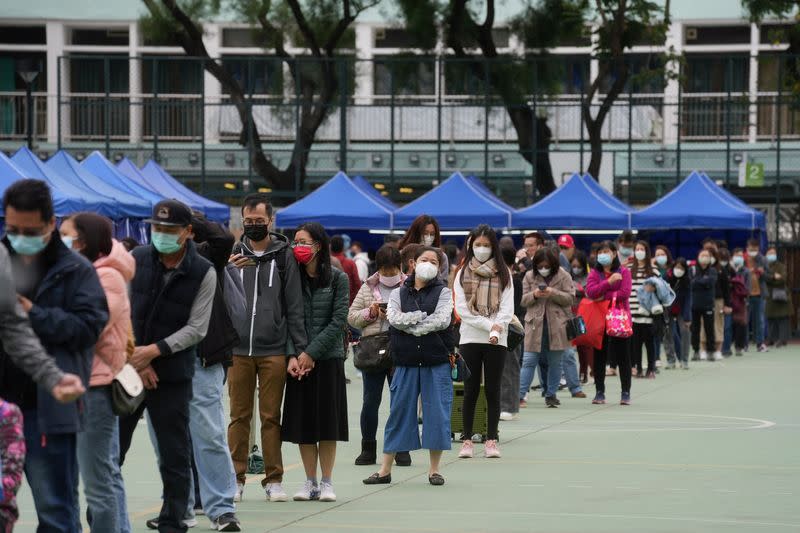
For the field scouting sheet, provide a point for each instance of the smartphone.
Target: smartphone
(542, 287)
(383, 305)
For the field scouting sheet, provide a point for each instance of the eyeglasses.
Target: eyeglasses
(304, 243)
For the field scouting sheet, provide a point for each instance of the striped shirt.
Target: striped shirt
(639, 314)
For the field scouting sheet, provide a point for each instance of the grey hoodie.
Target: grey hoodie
(22, 344)
(273, 288)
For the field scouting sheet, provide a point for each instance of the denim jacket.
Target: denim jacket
(663, 296)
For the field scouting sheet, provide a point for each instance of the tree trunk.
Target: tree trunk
(596, 147)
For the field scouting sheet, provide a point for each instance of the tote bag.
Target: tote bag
(594, 316)
(618, 321)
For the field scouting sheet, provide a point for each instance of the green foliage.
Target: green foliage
(547, 23)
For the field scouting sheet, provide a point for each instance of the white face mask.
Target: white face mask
(679, 272)
(427, 240)
(752, 253)
(544, 272)
(713, 260)
(426, 271)
(723, 263)
(482, 253)
(640, 255)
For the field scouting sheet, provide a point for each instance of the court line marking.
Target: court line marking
(757, 424)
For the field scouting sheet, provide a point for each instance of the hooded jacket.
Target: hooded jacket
(115, 271)
(274, 293)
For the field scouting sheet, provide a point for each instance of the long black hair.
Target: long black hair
(485, 230)
(414, 233)
(608, 245)
(648, 264)
(317, 232)
(95, 232)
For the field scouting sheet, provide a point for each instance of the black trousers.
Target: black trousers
(620, 349)
(643, 337)
(168, 407)
(707, 317)
(487, 360)
(740, 336)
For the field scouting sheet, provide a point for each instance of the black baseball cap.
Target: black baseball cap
(171, 213)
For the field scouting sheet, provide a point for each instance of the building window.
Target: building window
(646, 75)
(23, 35)
(411, 75)
(102, 37)
(717, 74)
(717, 35)
(775, 33)
(10, 80)
(171, 75)
(394, 38)
(239, 38)
(256, 75)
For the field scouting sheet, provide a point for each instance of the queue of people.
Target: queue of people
(275, 318)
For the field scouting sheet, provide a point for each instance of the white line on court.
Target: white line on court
(754, 424)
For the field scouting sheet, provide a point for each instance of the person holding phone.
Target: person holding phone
(368, 313)
(548, 294)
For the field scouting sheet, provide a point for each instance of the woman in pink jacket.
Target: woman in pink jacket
(98, 445)
(609, 279)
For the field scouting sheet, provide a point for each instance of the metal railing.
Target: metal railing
(14, 115)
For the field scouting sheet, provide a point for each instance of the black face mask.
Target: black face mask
(256, 232)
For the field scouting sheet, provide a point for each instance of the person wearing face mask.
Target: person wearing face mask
(90, 235)
(580, 274)
(662, 262)
(740, 290)
(756, 305)
(681, 311)
(172, 294)
(368, 314)
(484, 299)
(609, 280)
(643, 320)
(315, 403)
(626, 245)
(62, 296)
(348, 265)
(722, 301)
(779, 302)
(726, 269)
(703, 286)
(419, 313)
(275, 330)
(424, 230)
(548, 293)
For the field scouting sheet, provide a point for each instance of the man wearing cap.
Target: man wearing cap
(171, 299)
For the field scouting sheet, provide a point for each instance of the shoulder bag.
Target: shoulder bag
(127, 391)
(372, 354)
(516, 333)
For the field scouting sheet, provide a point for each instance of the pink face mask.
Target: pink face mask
(390, 281)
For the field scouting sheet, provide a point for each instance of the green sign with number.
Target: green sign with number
(754, 175)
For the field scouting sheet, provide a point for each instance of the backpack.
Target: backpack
(234, 295)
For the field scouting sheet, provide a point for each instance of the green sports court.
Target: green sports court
(711, 449)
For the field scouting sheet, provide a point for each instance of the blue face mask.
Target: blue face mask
(771, 258)
(67, 240)
(604, 259)
(661, 260)
(626, 252)
(27, 245)
(738, 261)
(165, 243)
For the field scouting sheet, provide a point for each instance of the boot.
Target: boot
(368, 453)
(402, 459)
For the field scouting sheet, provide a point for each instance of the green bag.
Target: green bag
(255, 462)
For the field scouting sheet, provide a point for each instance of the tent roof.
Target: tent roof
(581, 203)
(456, 203)
(488, 192)
(362, 183)
(161, 182)
(9, 173)
(126, 204)
(78, 198)
(699, 203)
(337, 204)
(106, 171)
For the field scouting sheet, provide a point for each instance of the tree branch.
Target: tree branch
(488, 22)
(277, 35)
(305, 29)
(600, 11)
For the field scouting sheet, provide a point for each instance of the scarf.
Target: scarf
(481, 287)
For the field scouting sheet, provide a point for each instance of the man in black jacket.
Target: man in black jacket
(171, 299)
(67, 307)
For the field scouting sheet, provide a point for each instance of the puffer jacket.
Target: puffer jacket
(115, 271)
(775, 309)
(325, 310)
(663, 296)
(368, 294)
(557, 308)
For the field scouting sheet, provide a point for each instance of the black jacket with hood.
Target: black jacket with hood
(274, 291)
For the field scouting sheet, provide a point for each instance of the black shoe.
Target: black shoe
(402, 459)
(377, 479)
(153, 523)
(436, 480)
(550, 401)
(227, 522)
(368, 453)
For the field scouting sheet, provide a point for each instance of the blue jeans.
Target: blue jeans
(98, 458)
(551, 361)
(727, 339)
(410, 383)
(373, 394)
(51, 468)
(755, 318)
(569, 367)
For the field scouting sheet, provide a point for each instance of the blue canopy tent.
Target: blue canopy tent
(80, 198)
(364, 185)
(338, 204)
(457, 204)
(154, 177)
(480, 185)
(700, 208)
(9, 173)
(106, 171)
(581, 203)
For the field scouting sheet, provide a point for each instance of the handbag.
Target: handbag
(594, 319)
(516, 333)
(780, 295)
(127, 391)
(618, 321)
(575, 327)
(459, 370)
(372, 354)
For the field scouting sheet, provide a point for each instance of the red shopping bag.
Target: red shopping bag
(594, 316)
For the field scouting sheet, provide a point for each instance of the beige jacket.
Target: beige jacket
(358, 316)
(558, 308)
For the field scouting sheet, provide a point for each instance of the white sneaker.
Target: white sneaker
(310, 491)
(717, 356)
(275, 493)
(466, 450)
(239, 496)
(326, 493)
(508, 417)
(703, 355)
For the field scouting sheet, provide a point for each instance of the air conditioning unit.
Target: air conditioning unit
(691, 34)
